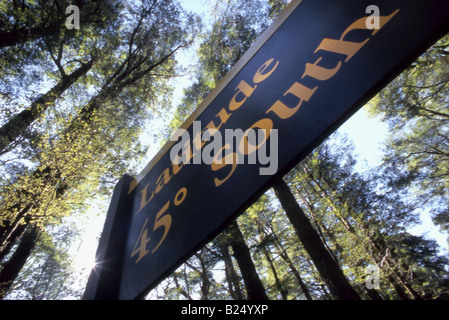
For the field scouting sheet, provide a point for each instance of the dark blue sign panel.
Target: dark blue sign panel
(315, 68)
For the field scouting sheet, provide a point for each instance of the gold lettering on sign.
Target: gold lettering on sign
(244, 90)
(320, 73)
(349, 48)
(220, 162)
(262, 74)
(163, 179)
(266, 125)
(143, 200)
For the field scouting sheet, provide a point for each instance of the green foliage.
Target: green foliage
(364, 221)
(415, 105)
(235, 27)
(87, 135)
(47, 275)
(77, 147)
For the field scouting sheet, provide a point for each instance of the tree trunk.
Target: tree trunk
(47, 29)
(279, 285)
(12, 268)
(11, 230)
(7, 244)
(125, 76)
(231, 275)
(205, 282)
(295, 272)
(328, 268)
(376, 252)
(181, 289)
(284, 255)
(267, 253)
(254, 286)
(19, 123)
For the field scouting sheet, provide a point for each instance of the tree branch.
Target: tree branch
(57, 60)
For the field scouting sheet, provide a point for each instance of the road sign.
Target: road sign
(314, 67)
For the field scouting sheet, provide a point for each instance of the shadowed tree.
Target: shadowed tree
(23, 21)
(75, 154)
(328, 268)
(415, 107)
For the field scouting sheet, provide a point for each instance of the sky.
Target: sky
(367, 134)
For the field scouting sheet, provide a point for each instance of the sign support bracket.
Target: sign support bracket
(104, 280)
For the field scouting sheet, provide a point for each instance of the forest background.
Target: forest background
(81, 107)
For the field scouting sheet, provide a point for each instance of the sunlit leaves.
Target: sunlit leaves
(89, 136)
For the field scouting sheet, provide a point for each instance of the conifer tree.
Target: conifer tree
(415, 107)
(91, 142)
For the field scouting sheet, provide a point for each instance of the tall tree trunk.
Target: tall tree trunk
(283, 291)
(19, 123)
(320, 226)
(378, 246)
(328, 268)
(47, 29)
(265, 249)
(232, 277)
(12, 229)
(284, 255)
(181, 289)
(254, 285)
(51, 175)
(295, 272)
(8, 242)
(12, 268)
(203, 272)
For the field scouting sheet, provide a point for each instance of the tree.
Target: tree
(11, 269)
(26, 66)
(47, 273)
(235, 27)
(363, 218)
(18, 124)
(75, 153)
(253, 284)
(231, 275)
(329, 269)
(37, 20)
(276, 250)
(415, 106)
